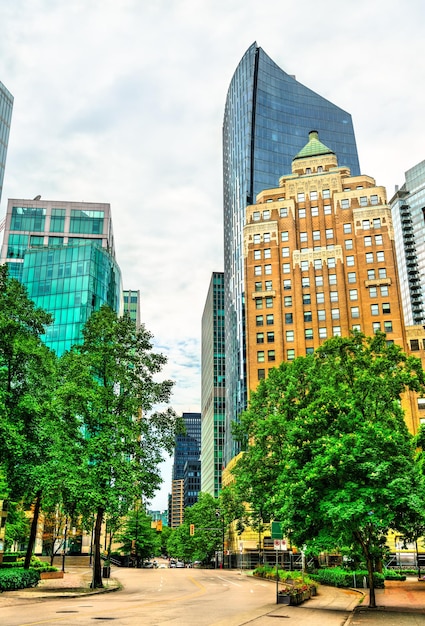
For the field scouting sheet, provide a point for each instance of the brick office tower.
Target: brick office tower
(319, 260)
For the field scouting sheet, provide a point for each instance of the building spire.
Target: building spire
(314, 147)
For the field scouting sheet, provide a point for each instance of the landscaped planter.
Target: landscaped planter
(50, 575)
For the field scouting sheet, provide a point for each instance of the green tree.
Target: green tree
(124, 441)
(328, 436)
(137, 537)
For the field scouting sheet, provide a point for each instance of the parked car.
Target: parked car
(179, 564)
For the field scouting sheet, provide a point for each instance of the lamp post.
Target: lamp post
(219, 515)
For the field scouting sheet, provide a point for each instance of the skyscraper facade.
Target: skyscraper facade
(6, 106)
(268, 115)
(187, 451)
(213, 387)
(63, 252)
(408, 213)
(131, 300)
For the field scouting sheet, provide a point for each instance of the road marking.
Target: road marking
(229, 581)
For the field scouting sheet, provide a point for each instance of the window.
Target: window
(368, 241)
(369, 257)
(266, 237)
(365, 224)
(288, 318)
(284, 235)
(287, 284)
(414, 344)
(376, 326)
(308, 333)
(382, 272)
(320, 297)
(258, 303)
(331, 262)
(308, 316)
(260, 356)
(284, 212)
(308, 170)
(57, 221)
(386, 307)
(309, 350)
(261, 374)
(268, 285)
(300, 197)
(384, 290)
(347, 229)
(267, 269)
(260, 337)
(326, 193)
(376, 222)
(317, 264)
(270, 336)
(290, 354)
(373, 292)
(306, 298)
(285, 252)
(353, 294)
(378, 240)
(269, 319)
(327, 209)
(266, 215)
(355, 311)
(303, 237)
(257, 239)
(271, 355)
(351, 277)
(269, 302)
(259, 320)
(257, 254)
(371, 274)
(388, 327)
(363, 200)
(301, 212)
(374, 199)
(334, 296)
(305, 281)
(87, 222)
(313, 195)
(289, 334)
(345, 203)
(304, 266)
(267, 253)
(314, 211)
(336, 331)
(357, 327)
(380, 256)
(374, 309)
(316, 235)
(257, 270)
(256, 216)
(323, 333)
(286, 268)
(321, 315)
(349, 261)
(329, 233)
(318, 280)
(335, 314)
(259, 286)
(332, 279)
(348, 244)
(287, 301)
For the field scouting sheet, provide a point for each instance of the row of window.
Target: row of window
(370, 257)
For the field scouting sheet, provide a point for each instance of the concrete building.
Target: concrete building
(6, 107)
(320, 261)
(268, 115)
(213, 387)
(186, 451)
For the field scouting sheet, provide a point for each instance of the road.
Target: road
(171, 597)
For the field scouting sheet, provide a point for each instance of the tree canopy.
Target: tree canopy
(328, 451)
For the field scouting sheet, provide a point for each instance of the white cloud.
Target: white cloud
(122, 102)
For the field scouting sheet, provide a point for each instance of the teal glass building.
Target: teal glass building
(63, 252)
(6, 107)
(268, 114)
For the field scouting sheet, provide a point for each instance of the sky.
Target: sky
(122, 101)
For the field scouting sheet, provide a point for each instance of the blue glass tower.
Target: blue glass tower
(268, 115)
(6, 106)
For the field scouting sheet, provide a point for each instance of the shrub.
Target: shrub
(390, 574)
(18, 578)
(338, 577)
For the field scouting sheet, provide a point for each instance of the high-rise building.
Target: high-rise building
(187, 449)
(268, 115)
(320, 261)
(63, 252)
(213, 386)
(132, 305)
(6, 106)
(408, 213)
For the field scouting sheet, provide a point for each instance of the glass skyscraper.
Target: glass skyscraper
(268, 115)
(6, 106)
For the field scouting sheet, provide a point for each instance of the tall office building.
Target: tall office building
(213, 386)
(320, 261)
(6, 106)
(408, 213)
(132, 305)
(63, 252)
(268, 115)
(186, 451)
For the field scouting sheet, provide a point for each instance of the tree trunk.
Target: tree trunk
(372, 599)
(97, 567)
(33, 533)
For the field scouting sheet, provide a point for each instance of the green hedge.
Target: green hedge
(35, 563)
(393, 575)
(18, 578)
(338, 577)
